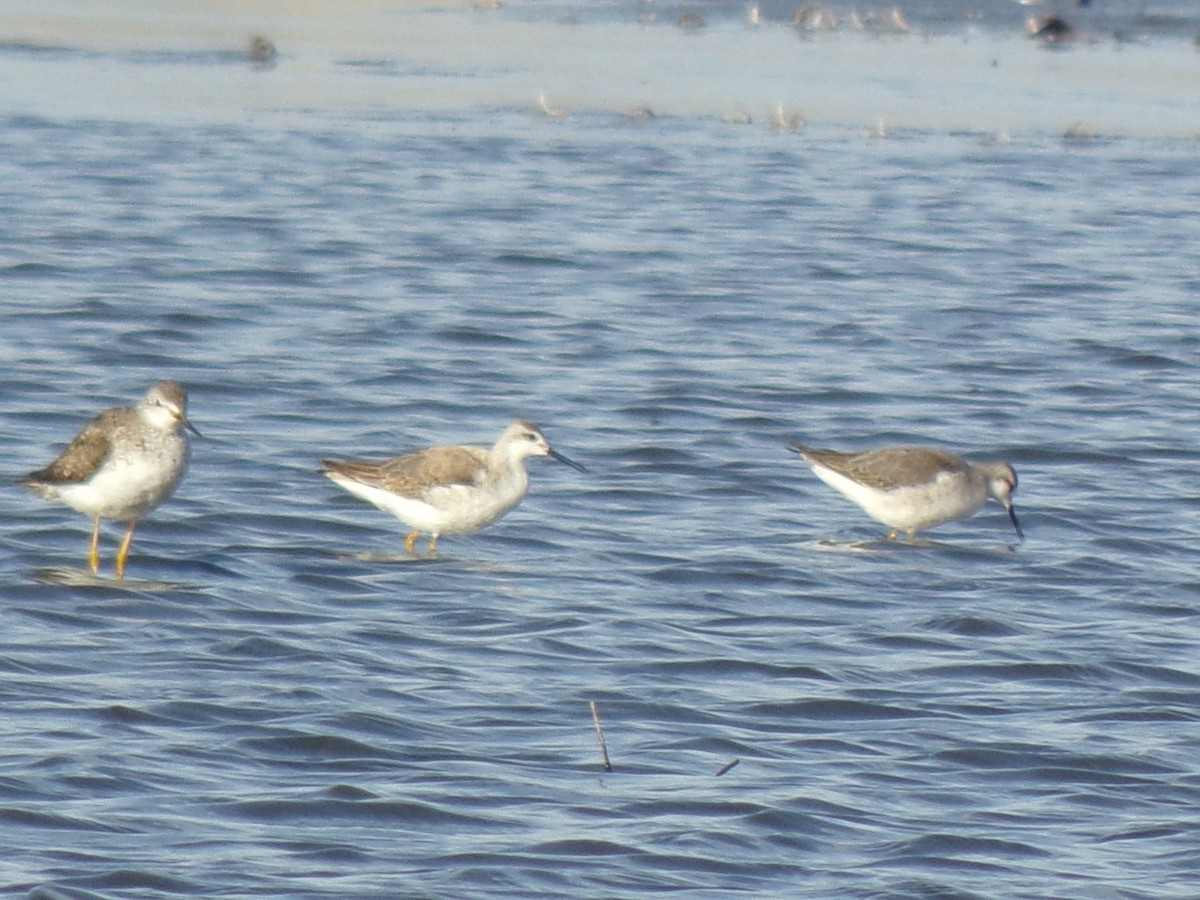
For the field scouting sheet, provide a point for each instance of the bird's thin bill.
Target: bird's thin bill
(192, 428)
(554, 454)
(1012, 517)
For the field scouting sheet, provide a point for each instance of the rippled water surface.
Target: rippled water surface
(278, 702)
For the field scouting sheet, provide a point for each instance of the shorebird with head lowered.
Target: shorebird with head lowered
(911, 489)
(122, 465)
(449, 489)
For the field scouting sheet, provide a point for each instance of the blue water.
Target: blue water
(279, 704)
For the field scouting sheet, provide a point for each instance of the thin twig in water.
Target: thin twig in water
(600, 736)
(729, 765)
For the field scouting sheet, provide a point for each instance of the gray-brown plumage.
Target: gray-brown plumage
(83, 456)
(888, 468)
(123, 464)
(451, 489)
(914, 488)
(413, 475)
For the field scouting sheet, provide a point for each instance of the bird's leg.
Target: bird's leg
(94, 549)
(432, 551)
(892, 534)
(411, 541)
(124, 551)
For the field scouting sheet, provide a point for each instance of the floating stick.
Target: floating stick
(600, 737)
(729, 765)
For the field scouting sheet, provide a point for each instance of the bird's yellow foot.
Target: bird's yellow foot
(94, 549)
(123, 553)
(411, 541)
(892, 534)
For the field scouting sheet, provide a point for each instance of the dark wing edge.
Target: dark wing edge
(82, 457)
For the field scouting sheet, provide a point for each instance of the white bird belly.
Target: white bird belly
(127, 488)
(912, 507)
(445, 508)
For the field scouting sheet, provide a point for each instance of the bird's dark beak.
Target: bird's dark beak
(554, 454)
(189, 426)
(1012, 517)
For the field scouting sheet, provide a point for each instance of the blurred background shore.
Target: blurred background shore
(929, 66)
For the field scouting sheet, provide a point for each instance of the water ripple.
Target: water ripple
(280, 699)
